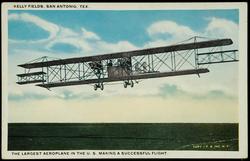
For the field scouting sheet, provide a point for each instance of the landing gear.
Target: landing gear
(95, 87)
(99, 85)
(125, 84)
(128, 82)
(102, 86)
(132, 84)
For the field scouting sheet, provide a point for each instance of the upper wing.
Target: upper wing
(149, 51)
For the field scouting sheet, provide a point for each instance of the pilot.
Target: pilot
(110, 64)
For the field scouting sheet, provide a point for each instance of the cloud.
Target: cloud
(223, 28)
(115, 47)
(26, 96)
(66, 32)
(63, 47)
(217, 94)
(171, 90)
(80, 40)
(89, 35)
(64, 95)
(219, 27)
(47, 26)
(170, 29)
(58, 34)
(169, 32)
(75, 95)
(83, 42)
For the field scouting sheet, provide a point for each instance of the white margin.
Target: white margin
(243, 138)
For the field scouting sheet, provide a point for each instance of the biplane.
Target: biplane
(128, 67)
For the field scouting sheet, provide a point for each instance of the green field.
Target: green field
(123, 136)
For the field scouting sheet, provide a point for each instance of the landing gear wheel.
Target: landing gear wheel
(132, 84)
(95, 87)
(102, 87)
(125, 84)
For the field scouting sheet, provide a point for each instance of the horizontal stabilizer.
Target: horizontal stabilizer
(29, 82)
(30, 74)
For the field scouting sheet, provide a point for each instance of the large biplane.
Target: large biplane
(128, 67)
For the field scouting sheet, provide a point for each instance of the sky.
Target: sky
(63, 34)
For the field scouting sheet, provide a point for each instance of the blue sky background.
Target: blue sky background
(35, 33)
(113, 26)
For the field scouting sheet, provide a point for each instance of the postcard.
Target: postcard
(124, 80)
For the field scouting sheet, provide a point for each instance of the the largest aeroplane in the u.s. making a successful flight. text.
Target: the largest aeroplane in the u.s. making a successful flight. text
(180, 59)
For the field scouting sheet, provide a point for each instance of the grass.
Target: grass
(123, 136)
